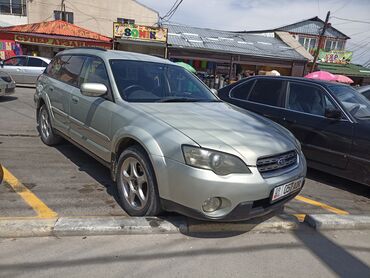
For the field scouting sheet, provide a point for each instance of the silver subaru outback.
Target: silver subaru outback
(169, 142)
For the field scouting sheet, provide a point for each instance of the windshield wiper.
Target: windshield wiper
(179, 99)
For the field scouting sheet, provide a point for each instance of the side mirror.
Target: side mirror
(334, 114)
(214, 91)
(93, 89)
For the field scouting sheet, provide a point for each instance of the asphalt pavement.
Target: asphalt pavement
(71, 183)
(302, 253)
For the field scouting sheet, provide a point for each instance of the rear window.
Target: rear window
(267, 91)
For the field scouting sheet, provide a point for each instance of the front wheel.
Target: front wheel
(136, 183)
(44, 126)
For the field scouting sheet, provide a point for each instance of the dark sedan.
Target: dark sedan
(331, 120)
(365, 90)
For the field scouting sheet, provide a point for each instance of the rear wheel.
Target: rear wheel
(44, 126)
(136, 183)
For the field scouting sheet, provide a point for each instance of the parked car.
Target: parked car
(168, 140)
(331, 120)
(25, 69)
(7, 84)
(365, 90)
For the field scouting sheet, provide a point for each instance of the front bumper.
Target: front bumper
(8, 89)
(247, 195)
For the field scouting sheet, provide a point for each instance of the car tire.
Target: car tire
(45, 129)
(136, 183)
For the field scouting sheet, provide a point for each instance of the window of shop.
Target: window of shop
(334, 45)
(15, 7)
(267, 92)
(65, 16)
(308, 43)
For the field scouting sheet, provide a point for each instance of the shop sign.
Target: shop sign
(335, 57)
(57, 42)
(139, 32)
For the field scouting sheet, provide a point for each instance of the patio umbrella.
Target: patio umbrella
(321, 75)
(343, 79)
(187, 67)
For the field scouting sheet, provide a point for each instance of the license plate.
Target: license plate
(286, 189)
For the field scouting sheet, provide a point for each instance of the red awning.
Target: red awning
(58, 28)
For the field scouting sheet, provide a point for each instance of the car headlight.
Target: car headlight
(220, 163)
(6, 77)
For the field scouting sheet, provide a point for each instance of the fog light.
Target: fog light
(211, 204)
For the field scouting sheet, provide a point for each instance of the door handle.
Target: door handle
(18, 69)
(75, 100)
(289, 121)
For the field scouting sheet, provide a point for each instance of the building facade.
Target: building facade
(95, 15)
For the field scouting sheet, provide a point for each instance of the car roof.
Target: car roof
(116, 54)
(292, 78)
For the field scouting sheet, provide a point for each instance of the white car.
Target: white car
(25, 69)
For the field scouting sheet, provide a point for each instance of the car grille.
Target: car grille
(274, 163)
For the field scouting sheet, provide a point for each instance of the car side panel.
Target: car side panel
(16, 72)
(90, 121)
(30, 74)
(359, 160)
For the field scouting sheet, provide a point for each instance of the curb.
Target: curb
(337, 222)
(121, 225)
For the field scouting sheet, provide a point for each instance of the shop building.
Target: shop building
(139, 38)
(227, 56)
(47, 38)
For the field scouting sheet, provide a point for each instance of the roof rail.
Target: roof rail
(89, 47)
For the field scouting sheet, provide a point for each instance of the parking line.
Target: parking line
(42, 210)
(318, 204)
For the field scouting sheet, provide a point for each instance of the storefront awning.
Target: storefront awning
(56, 33)
(345, 69)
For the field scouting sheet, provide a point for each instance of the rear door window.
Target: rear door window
(55, 67)
(242, 90)
(71, 69)
(267, 91)
(34, 62)
(308, 99)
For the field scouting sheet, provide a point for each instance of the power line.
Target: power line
(345, 4)
(172, 11)
(351, 20)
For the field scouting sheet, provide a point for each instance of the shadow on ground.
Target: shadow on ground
(7, 98)
(334, 181)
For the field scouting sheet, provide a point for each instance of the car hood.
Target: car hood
(222, 127)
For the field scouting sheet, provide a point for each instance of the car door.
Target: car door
(91, 116)
(14, 66)
(33, 69)
(324, 140)
(262, 96)
(58, 92)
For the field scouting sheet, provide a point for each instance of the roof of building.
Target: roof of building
(56, 27)
(292, 42)
(345, 69)
(230, 42)
(311, 26)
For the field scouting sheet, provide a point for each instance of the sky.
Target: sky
(265, 14)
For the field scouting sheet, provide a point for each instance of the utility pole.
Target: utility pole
(320, 40)
(63, 10)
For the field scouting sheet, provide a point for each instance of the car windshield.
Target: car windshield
(139, 81)
(355, 103)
